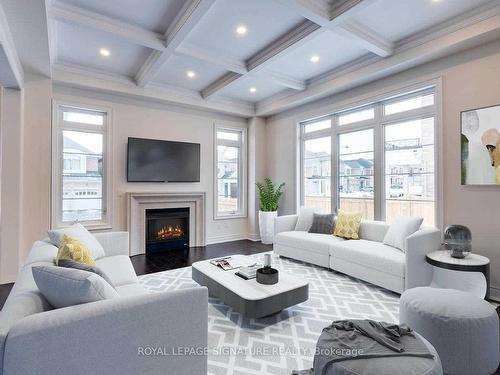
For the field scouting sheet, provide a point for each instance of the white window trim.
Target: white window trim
(242, 176)
(57, 165)
(378, 124)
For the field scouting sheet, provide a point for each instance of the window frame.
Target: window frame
(378, 124)
(57, 165)
(241, 212)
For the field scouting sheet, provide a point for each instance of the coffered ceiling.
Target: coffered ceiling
(254, 57)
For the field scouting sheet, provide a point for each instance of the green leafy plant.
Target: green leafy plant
(269, 194)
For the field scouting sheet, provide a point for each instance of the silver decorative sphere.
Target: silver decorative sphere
(458, 239)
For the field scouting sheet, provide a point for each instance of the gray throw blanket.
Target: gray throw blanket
(361, 339)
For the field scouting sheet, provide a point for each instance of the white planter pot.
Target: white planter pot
(266, 226)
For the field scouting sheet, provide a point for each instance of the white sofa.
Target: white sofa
(367, 259)
(103, 337)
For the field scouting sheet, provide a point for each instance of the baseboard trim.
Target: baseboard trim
(232, 237)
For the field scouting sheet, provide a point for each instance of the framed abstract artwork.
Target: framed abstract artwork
(480, 146)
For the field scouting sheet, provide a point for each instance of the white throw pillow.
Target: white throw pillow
(64, 287)
(401, 228)
(305, 220)
(80, 233)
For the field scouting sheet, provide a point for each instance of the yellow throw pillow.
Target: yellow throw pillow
(348, 224)
(72, 249)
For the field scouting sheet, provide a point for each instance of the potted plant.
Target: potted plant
(269, 201)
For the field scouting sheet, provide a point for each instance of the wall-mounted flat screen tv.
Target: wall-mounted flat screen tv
(151, 160)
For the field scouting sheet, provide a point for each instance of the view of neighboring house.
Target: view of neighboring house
(82, 191)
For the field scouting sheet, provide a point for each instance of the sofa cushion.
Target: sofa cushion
(119, 269)
(41, 251)
(64, 287)
(69, 263)
(347, 224)
(305, 219)
(401, 228)
(313, 242)
(80, 233)
(72, 249)
(323, 224)
(370, 254)
(373, 230)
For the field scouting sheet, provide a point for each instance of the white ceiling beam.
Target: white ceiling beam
(338, 19)
(186, 20)
(444, 43)
(366, 38)
(102, 81)
(283, 80)
(285, 44)
(137, 35)
(9, 49)
(203, 54)
(235, 66)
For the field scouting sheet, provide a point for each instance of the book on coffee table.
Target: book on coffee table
(249, 272)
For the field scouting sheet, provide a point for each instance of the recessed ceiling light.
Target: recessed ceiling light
(241, 30)
(314, 58)
(104, 52)
(253, 89)
(191, 74)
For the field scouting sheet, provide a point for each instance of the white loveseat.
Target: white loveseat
(367, 259)
(103, 337)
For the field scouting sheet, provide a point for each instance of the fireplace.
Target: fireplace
(167, 229)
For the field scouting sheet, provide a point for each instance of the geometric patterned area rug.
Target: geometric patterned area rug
(286, 341)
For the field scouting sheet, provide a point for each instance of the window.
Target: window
(230, 155)
(316, 166)
(80, 183)
(409, 169)
(350, 117)
(355, 172)
(383, 156)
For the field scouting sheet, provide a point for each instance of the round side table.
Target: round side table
(469, 274)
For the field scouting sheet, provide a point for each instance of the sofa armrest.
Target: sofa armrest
(420, 243)
(121, 336)
(284, 223)
(114, 243)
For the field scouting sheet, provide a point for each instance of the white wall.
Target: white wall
(136, 118)
(470, 79)
(11, 130)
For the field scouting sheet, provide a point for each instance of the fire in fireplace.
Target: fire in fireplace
(167, 229)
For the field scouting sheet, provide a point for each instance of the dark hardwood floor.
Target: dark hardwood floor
(182, 258)
(4, 292)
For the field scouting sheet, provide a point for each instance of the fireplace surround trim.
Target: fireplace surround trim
(139, 202)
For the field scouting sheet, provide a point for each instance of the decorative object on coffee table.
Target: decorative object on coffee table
(458, 239)
(267, 275)
(270, 196)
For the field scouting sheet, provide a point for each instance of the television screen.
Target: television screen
(152, 160)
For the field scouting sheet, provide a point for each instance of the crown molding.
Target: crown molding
(92, 79)
(370, 69)
(9, 49)
(79, 16)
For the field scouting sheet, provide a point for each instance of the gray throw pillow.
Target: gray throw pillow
(69, 263)
(64, 287)
(324, 224)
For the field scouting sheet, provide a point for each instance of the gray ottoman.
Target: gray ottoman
(463, 328)
(389, 365)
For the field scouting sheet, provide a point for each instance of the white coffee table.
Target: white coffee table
(248, 297)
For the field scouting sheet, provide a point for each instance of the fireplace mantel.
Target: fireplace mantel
(139, 202)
